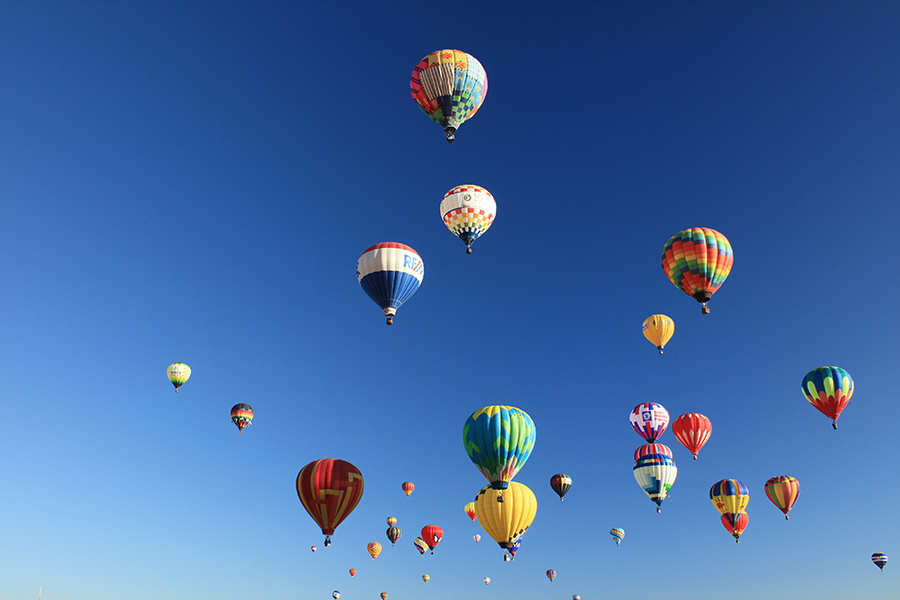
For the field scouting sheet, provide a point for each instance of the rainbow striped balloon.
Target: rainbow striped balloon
(241, 415)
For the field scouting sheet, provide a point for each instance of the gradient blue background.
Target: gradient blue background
(194, 181)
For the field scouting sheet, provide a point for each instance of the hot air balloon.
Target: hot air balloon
(329, 489)
(408, 487)
(880, 560)
(551, 575)
(352, 572)
(697, 261)
(498, 440)
(313, 548)
(449, 86)
(383, 595)
(828, 389)
(506, 521)
(469, 508)
(426, 577)
(393, 534)
(390, 273)
(335, 594)
(178, 374)
(783, 492)
(649, 420)
(241, 415)
(730, 497)
(560, 483)
(374, 549)
(432, 535)
(421, 546)
(618, 535)
(486, 580)
(655, 473)
(658, 329)
(736, 524)
(576, 597)
(652, 449)
(391, 521)
(692, 430)
(477, 538)
(468, 211)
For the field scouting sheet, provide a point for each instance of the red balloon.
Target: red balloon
(408, 487)
(693, 431)
(652, 449)
(735, 524)
(329, 489)
(432, 535)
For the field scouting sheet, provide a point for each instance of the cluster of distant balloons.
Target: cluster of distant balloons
(450, 86)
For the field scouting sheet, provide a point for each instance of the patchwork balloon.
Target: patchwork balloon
(449, 86)
(499, 439)
(656, 474)
(829, 390)
(390, 273)
(649, 420)
(697, 261)
(468, 211)
(374, 549)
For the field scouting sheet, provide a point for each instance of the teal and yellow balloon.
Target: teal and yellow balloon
(828, 389)
(178, 374)
(499, 439)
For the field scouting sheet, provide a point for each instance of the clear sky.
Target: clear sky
(195, 181)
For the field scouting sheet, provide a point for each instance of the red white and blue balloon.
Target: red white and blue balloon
(390, 273)
(649, 420)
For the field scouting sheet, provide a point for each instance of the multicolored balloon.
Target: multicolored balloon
(374, 549)
(506, 521)
(329, 489)
(426, 577)
(697, 261)
(658, 330)
(241, 415)
(551, 575)
(390, 273)
(432, 534)
(828, 389)
(335, 594)
(393, 534)
(383, 595)
(468, 211)
(652, 449)
(499, 439)
(391, 521)
(692, 430)
(560, 483)
(313, 548)
(421, 546)
(618, 535)
(655, 473)
(486, 580)
(449, 86)
(649, 420)
(469, 508)
(178, 374)
(407, 487)
(783, 492)
(735, 523)
(880, 560)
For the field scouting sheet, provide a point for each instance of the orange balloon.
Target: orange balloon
(374, 549)
(352, 572)
(408, 487)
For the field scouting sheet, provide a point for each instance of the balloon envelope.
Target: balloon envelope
(407, 487)
(652, 449)
(655, 473)
(393, 534)
(692, 430)
(469, 508)
(420, 544)
(783, 492)
(432, 534)
(449, 86)
(729, 496)
(390, 273)
(336, 594)
(735, 523)
(560, 483)
(352, 572)
(506, 521)
(426, 577)
(477, 538)
(329, 489)
(468, 211)
(618, 535)
(649, 420)
(241, 415)
(880, 560)
(374, 549)
(828, 389)
(178, 374)
(391, 521)
(697, 261)
(551, 575)
(499, 439)
(658, 329)
(486, 580)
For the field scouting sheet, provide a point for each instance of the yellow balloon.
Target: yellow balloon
(658, 329)
(507, 520)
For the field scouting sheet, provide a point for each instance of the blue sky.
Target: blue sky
(195, 181)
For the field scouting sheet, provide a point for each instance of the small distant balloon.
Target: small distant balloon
(618, 535)
(374, 549)
(421, 546)
(393, 534)
(649, 420)
(880, 559)
(352, 572)
(408, 487)
(426, 577)
(486, 580)
(576, 597)
(383, 595)
(335, 594)
(391, 521)
(178, 374)
(241, 415)
(560, 483)
(469, 509)
(477, 538)
(551, 575)
(658, 330)
(313, 548)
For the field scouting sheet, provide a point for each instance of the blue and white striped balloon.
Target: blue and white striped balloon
(390, 273)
